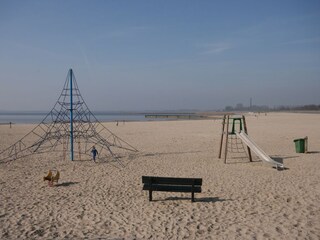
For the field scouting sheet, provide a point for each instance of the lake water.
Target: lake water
(38, 117)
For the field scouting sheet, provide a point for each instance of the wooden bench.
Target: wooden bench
(169, 184)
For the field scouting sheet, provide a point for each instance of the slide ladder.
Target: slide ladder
(257, 150)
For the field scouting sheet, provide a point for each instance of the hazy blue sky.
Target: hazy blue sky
(156, 55)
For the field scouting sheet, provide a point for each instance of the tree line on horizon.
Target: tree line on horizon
(264, 108)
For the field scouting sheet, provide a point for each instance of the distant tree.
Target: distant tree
(311, 107)
(228, 108)
(264, 108)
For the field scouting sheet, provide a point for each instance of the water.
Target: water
(34, 118)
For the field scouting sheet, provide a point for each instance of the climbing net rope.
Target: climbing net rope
(236, 147)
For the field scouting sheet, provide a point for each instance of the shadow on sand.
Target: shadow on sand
(66, 184)
(280, 158)
(212, 199)
(241, 160)
(313, 152)
(204, 199)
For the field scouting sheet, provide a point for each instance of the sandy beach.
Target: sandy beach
(239, 200)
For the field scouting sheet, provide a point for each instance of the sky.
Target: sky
(160, 55)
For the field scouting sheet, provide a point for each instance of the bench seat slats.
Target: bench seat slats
(170, 180)
(171, 188)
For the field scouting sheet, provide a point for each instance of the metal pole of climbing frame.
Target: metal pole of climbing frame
(71, 116)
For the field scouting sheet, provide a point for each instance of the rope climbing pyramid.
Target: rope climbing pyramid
(70, 122)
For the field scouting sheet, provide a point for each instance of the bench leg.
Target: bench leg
(150, 195)
(192, 196)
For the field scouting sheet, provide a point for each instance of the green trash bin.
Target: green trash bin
(300, 145)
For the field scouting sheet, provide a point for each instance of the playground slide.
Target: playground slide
(257, 150)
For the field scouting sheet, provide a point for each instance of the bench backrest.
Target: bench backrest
(171, 180)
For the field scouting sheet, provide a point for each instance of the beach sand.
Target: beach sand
(239, 200)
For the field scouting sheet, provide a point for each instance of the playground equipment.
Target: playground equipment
(258, 151)
(241, 133)
(228, 137)
(48, 177)
(51, 179)
(70, 122)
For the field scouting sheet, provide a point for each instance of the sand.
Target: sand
(239, 200)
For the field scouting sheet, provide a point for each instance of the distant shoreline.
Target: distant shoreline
(165, 112)
(35, 117)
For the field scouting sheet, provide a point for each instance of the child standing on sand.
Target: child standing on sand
(94, 153)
